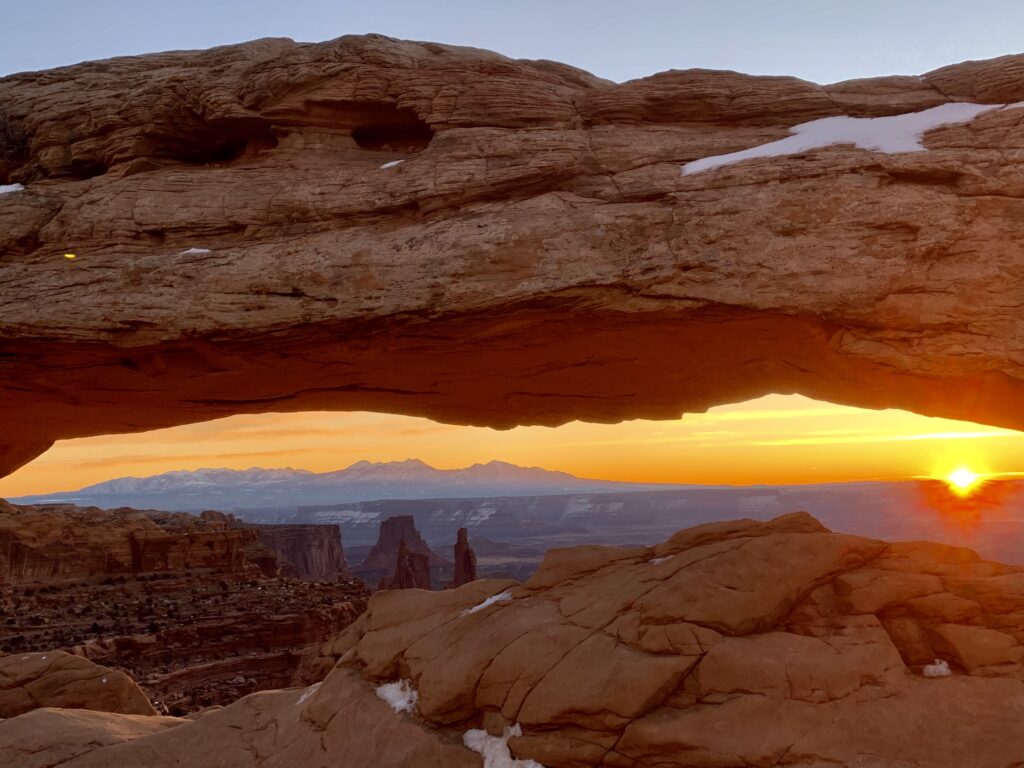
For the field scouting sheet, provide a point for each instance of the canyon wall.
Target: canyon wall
(373, 224)
(62, 543)
(313, 551)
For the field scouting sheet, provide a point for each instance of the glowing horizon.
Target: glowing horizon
(774, 440)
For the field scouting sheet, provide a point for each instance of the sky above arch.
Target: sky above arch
(776, 439)
(819, 40)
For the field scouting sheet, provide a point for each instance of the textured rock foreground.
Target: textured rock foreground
(742, 643)
(57, 679)
(247, 241)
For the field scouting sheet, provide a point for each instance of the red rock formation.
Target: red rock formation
(63, 542)
(58, 679)
(383, 557)
(739, 643)
(314, 258)
(191, 606)
(313, 551)
(465, 560)
(412, 571)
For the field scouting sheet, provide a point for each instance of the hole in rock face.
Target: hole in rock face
(376, 126)
(86, 169)
(395, 137)
(215, 143)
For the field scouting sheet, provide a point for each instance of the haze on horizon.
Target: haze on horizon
(776, 439)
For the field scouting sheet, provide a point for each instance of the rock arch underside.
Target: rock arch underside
(536, 257)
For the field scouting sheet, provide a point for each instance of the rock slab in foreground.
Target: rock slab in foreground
(738, 643)
(57, 679)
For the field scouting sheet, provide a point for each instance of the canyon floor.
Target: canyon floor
(737, 643)
(196, 609)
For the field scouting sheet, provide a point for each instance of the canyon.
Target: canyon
(741, 642)
(196, 609)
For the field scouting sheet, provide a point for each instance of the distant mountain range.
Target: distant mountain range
(235, 490)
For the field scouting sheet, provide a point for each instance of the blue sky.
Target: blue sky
(820, 40)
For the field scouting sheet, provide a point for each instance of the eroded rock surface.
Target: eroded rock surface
(313, 551)
(61, 542)
(464, 560)
(385, 559)
(57, 679)
(193, 608)
(247, 240)
(738, 643)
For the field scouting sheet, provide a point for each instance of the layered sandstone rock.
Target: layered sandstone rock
(384, 556)
(313, 551)
(58, 679)
(412, 571)
(194, 608)
(63, 542)
(739, 643)
(247, 240)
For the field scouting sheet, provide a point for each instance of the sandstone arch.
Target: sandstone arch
(246, 242)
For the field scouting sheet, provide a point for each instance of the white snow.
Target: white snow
(6, 189)
(188, 251)
(494, 750)
(896, 133)
(307, 693)
(501, 597)
(392, 164)
(400, 695)
(104, 680)
(939, 669)
(659, 560)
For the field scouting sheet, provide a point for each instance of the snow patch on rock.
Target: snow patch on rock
(309, 692)
(400, 695)
(939, 669)
(893, 134)
(6, 189)
(189, 251)
(494, 750)
(659, 560)
(501, 597)
(392, 164)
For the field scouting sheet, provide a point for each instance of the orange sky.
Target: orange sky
(774, 439)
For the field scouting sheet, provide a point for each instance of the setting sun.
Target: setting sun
(963, 481)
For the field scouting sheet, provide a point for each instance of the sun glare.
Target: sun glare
(963, 481)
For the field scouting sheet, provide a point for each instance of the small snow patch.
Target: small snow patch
(104, 680)
(189, 251)
(6, 189)
(501, 597)
(494, 750)
(893, 134)
(392, 164)
(44, 658)
(309, 692)
(400, 695)
(659, 560)
(939, 669)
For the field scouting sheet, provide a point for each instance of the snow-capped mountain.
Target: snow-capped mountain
(255, 488)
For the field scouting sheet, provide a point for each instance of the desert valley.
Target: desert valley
(378, 402)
